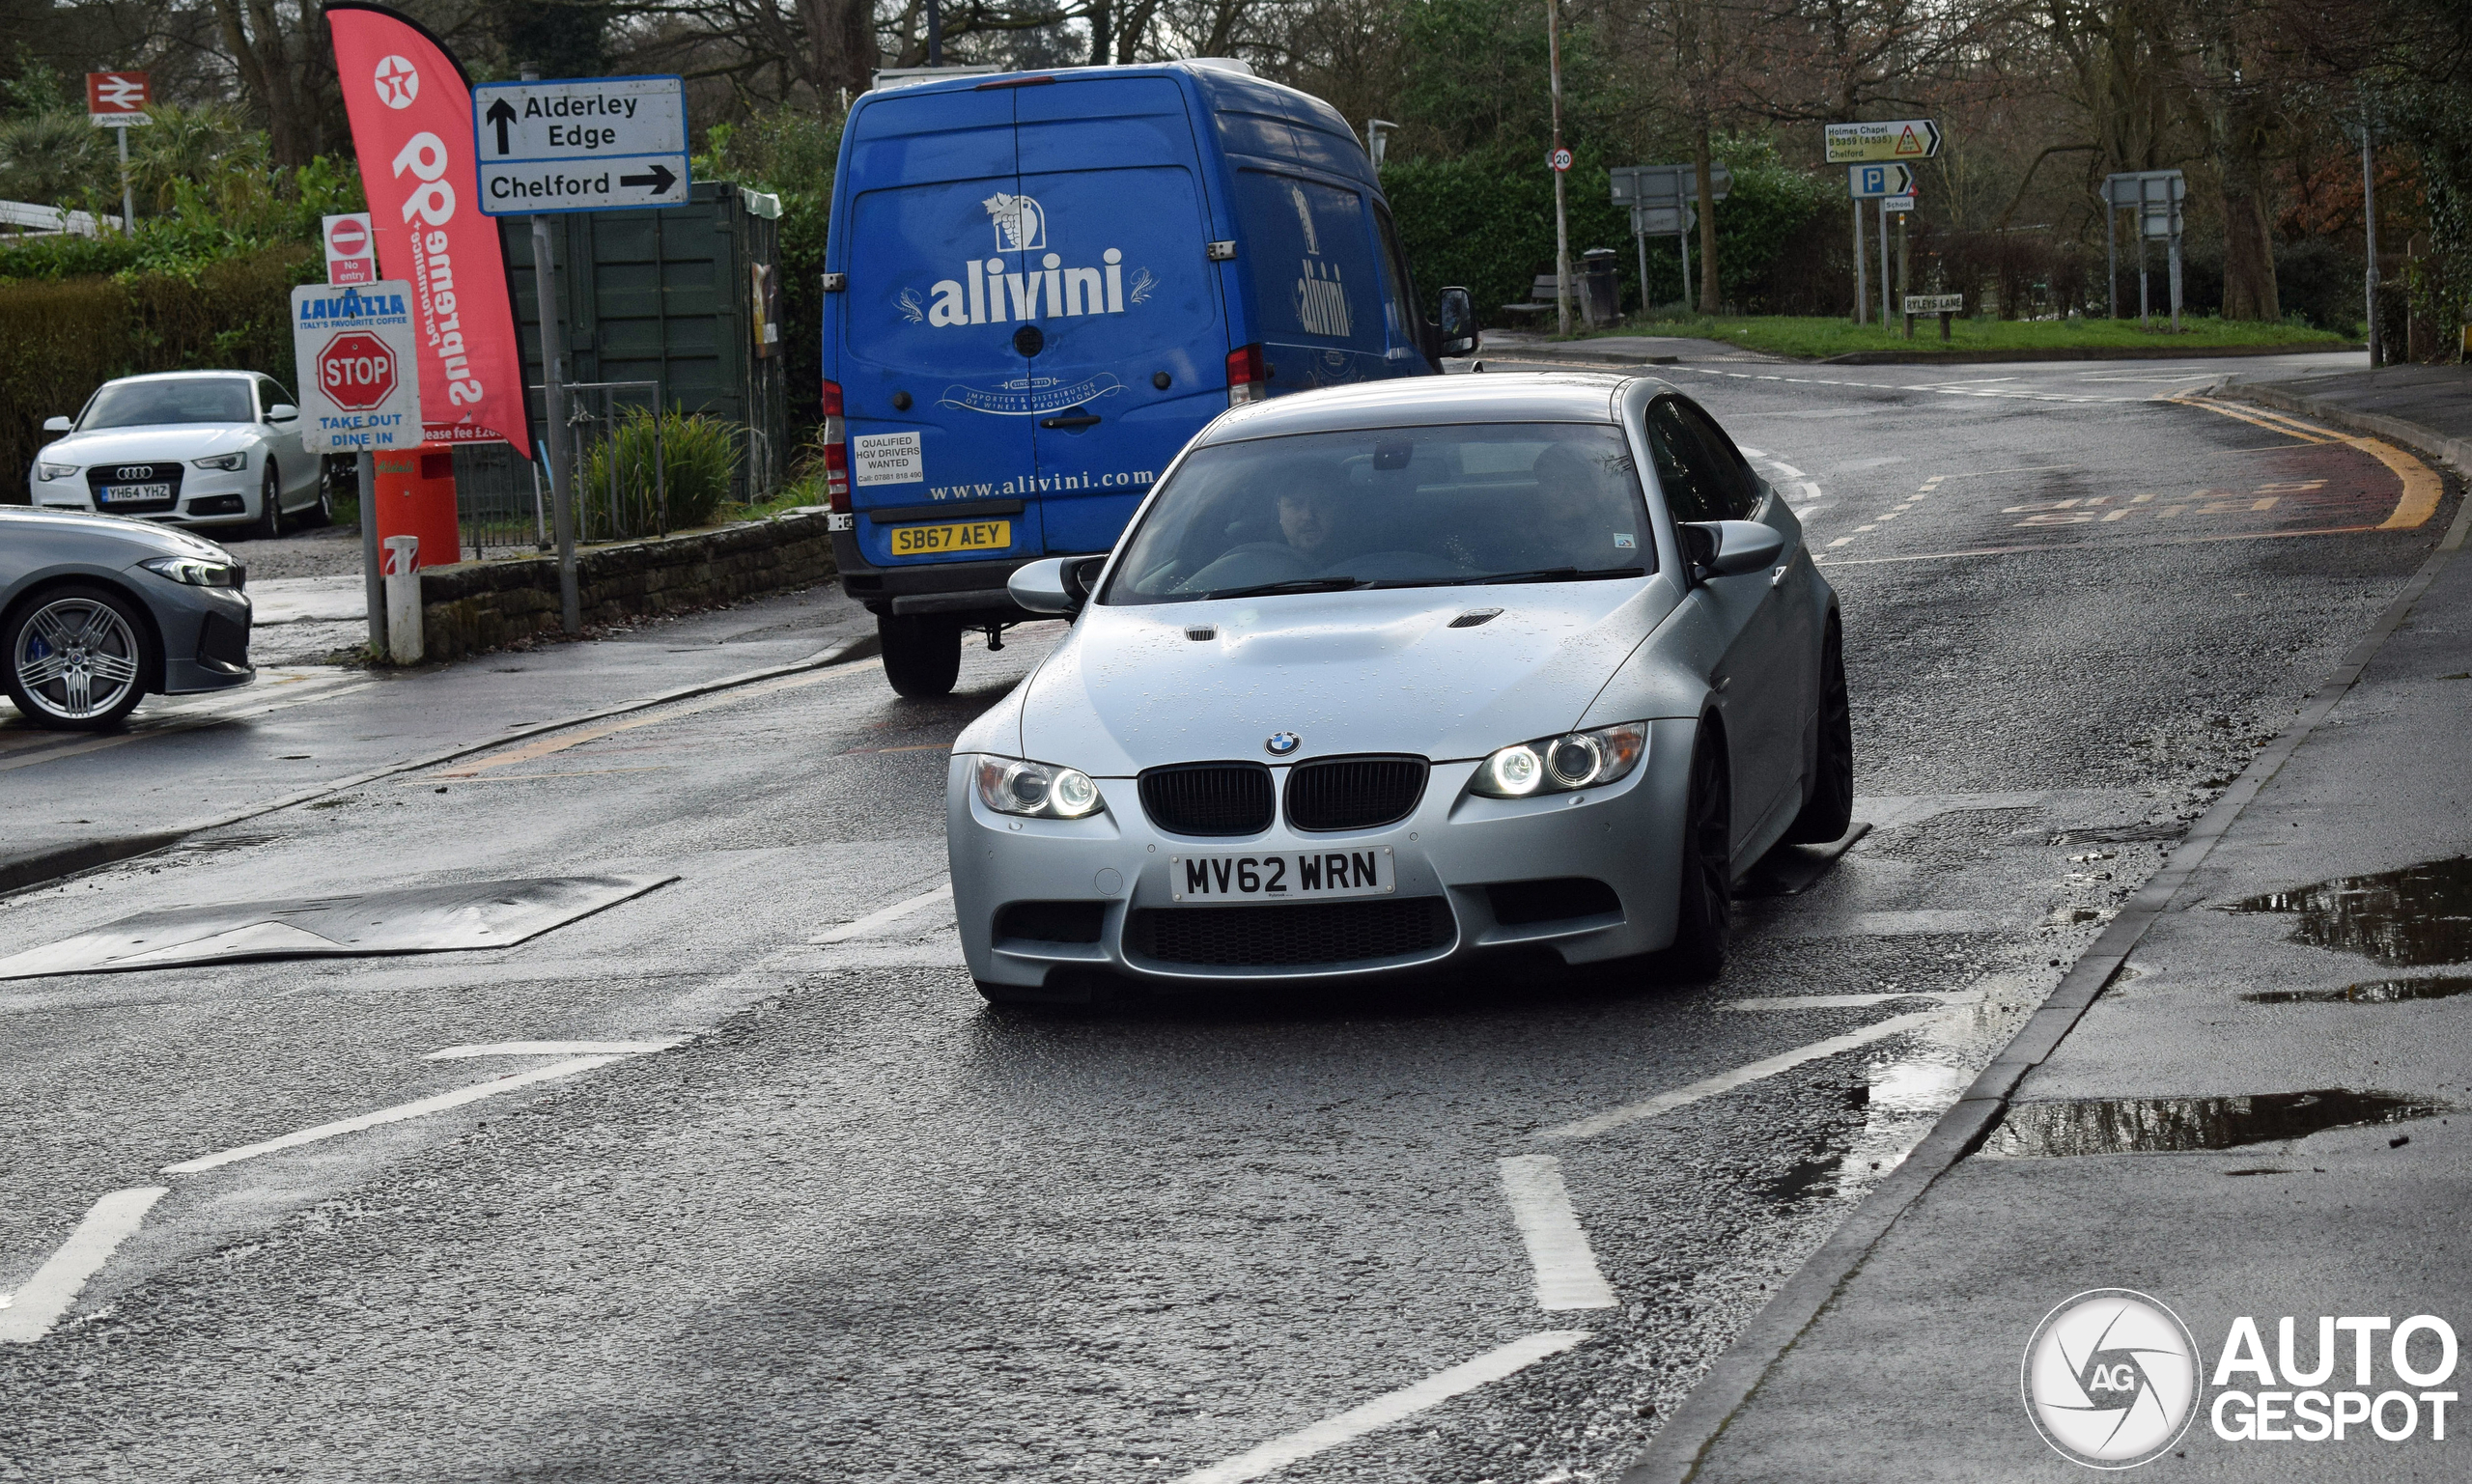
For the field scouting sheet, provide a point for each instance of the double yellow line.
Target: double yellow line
(2421, 486)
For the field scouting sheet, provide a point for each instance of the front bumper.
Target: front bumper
(205, 632)
(1451, 849)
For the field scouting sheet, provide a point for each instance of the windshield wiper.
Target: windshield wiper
(1552, 575)
(1291, 585)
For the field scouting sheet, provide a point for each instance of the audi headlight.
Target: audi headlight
(1561, 764)
(1038, 790)
(55, 470)
(196, 572)
(223, 462)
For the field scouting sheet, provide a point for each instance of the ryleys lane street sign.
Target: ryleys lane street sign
(1890, 139)
(588, 144)
(1865, 181)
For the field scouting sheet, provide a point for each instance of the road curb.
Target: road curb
(49, 866)
(2457, 451)
(1733, 1381)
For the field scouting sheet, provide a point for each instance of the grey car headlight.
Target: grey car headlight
(1560, 765)
(196, 572)
(55, 470)
(1039, 790)
(223, 462)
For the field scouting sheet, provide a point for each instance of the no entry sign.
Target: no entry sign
(352, 252)
(359, 384)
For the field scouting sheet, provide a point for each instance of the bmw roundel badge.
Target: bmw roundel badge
(1282, 743)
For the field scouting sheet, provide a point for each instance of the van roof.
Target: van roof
(1493, 397)
(1218, 90)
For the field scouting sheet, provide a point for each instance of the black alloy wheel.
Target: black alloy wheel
(269, 527)
(922, 653)
(1704, 895)
(1828, 812)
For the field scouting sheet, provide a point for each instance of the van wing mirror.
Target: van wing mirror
(1729, 548)
(56, 425)
(1458, 323)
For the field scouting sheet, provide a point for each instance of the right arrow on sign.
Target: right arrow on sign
(659, 180)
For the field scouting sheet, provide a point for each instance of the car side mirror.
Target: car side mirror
(1729, 548)
(1056, 584)
(56, 425)
(1458, 323)
(282, 412)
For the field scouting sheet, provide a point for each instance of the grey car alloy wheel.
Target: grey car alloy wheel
(75, 660)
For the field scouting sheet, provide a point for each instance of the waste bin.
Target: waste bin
(1600, 290)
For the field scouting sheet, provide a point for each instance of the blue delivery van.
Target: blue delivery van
(1039, 286)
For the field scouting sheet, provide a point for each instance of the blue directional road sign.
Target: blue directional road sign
(583, 144)
(1862, 181)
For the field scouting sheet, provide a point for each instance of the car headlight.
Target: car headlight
(196, 572)
(55, 470)
(1011, 786)
(1561, 764)
(238, 461)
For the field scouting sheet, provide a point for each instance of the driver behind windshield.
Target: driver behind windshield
(1578, 518)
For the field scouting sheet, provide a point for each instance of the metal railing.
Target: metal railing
(621, 480)
(501, 501)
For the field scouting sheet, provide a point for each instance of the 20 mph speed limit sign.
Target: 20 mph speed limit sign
(360, 390)
(1560, 159)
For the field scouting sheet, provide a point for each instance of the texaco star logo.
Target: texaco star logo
(399, 82)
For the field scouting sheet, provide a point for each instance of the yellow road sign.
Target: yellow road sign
(1887, 139)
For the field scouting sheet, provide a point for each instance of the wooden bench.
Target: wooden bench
(1541, 297)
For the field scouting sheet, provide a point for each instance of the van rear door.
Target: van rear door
(1132, 329)
(930, 372)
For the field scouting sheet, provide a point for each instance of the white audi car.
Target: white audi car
(1390, 674)
(202, 449)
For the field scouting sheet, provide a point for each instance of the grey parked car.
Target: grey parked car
(1384, 676)
(98, 612)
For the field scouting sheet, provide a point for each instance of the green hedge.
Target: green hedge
(60, 337)
(1487, 221)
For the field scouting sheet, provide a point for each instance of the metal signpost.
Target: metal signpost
(352, 351)
(589, 144)
(1876, 153)
(1663, 202)
(117, 101)
(2156, 197)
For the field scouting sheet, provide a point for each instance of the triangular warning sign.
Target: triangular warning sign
(1907, 144)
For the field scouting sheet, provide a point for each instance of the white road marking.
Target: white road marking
(1383, 1411)
(1740, 1077)
(555, 1048)
(35, 1308)
(1850, 1001)
(396, 1114)
(890, 916)
(1557, 1249)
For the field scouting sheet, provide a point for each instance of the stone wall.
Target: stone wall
(483, 605)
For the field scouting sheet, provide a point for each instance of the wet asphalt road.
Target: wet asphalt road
(863, 1227)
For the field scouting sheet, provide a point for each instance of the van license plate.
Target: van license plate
(1283, 876)
(110, 493)
(970, 536)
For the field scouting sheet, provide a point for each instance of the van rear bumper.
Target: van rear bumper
(971, 591)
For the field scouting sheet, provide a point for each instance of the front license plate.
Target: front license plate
(112, 492)
(970, 536)
(1283, 876)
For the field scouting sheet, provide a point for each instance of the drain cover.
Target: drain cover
(422, 919)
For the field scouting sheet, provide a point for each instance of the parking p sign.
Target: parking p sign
(360, 388)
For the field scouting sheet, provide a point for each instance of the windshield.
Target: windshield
(1392, 507)
(189, 400)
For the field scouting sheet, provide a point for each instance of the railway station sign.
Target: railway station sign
(118, 100)
(586, 144)
(1890, 139)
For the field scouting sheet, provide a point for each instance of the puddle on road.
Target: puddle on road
(2417, 914)
(2184, 1125)
(1806, 1178)
(2371, 991)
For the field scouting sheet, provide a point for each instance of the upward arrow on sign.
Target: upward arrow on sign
(500, 115)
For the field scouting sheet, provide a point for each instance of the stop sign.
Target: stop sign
(356, 370)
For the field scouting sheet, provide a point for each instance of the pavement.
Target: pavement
(738, 1179)
(2238, 1106)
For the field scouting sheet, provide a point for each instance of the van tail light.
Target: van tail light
(836, 451)
(1249, 376)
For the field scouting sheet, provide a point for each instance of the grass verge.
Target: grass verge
(1814, 338)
